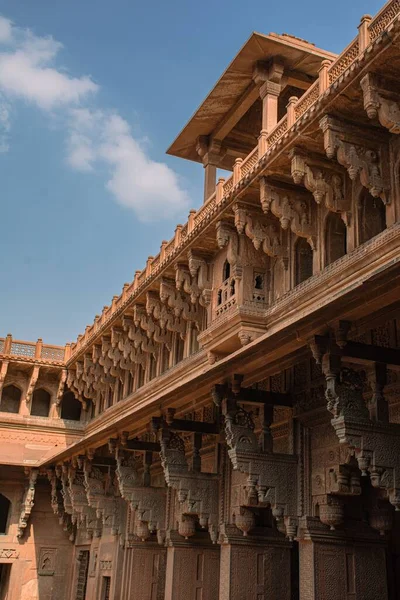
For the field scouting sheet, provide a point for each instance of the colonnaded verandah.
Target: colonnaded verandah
(229, 427)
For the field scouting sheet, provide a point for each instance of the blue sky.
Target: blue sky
(91, 95)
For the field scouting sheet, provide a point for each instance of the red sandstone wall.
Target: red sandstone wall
(41, 563)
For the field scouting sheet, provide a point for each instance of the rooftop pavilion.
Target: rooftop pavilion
(251, 96)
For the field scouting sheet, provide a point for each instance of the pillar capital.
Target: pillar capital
(268, 71)
(270, 88)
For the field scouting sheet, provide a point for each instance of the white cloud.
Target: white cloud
(26, 72)
(5, 30)
(96, 138)
(150, 188)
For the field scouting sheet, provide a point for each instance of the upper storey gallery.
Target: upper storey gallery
(311, 139)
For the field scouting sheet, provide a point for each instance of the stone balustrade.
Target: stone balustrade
(33, 351)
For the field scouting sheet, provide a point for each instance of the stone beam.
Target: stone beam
(234, 115)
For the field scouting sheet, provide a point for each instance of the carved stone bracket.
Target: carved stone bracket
(227, 237)
(197, 493)
(374, 444)
(381, 103)
(293, 210)
(32, 382)
(57, 504)
(360, 156)
(3, 373)
(147, 502)
(199, 270)
(100, 496)
(27, 502)
(74, 492)
(61, 386)
(272, 478)
(264, 234)
(377, 450)
(325, 184)
(182, 307)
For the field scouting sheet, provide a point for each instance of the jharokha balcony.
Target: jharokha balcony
(261, 340)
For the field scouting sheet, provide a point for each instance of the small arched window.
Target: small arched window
(371, 216)
(10, 399)
(232, 288)
(70, 407)
(303, 260)
(40, 403)
(226, 271)
(335, 238)
(258, 282)
(5, 506)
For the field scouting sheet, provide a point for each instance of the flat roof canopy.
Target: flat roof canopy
(236, 86)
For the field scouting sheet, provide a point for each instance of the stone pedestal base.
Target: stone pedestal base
(255, 570)
(144, 573)
(336, 566)
(192, 572)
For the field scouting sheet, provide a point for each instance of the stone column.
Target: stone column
(254, 568)
(269, 94)
(192, 569)
(270, 77)
(143, 574)
(210, 155)
(337, 566)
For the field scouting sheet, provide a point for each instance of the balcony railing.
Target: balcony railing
(369, 31)
(31, 350)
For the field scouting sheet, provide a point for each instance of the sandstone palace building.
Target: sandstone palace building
(228, 428)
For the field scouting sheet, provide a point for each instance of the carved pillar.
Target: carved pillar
(192, 572)
(259, 510)
(270, 79)
(27, 502)
(210, 155)
(333, 566)
(192, 560)
(143, 574)
(254, 569)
